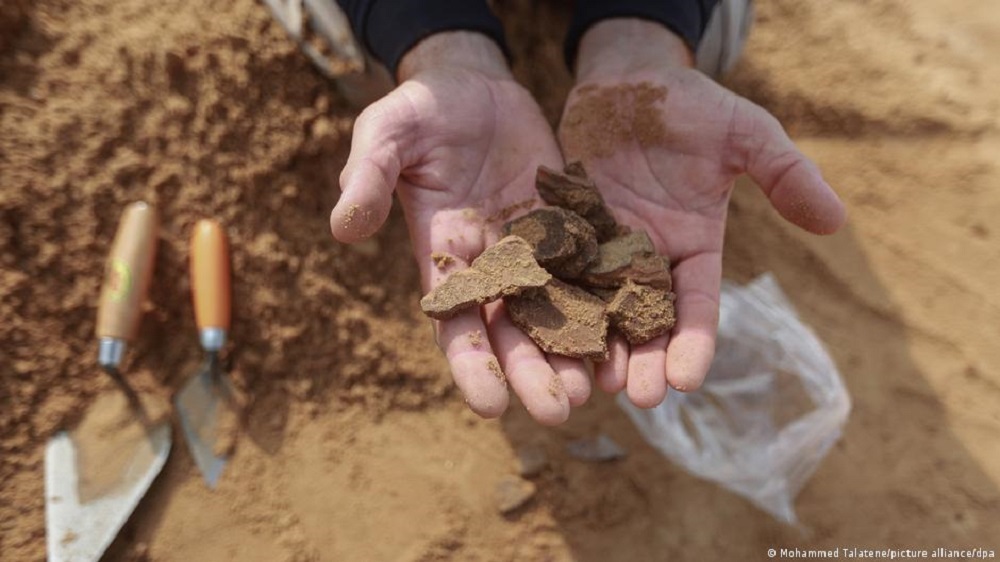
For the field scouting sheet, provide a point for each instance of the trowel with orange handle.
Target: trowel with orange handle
(200, 403)
(96, 474)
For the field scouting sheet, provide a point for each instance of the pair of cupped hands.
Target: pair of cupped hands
(459, 139)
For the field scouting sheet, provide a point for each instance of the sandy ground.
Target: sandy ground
(356, 446)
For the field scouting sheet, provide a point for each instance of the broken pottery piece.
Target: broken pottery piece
(575, 168)
(531, 460)
(505, 268)
(580, 195)
(641, 313)
(563, 242)
(595, 449)
(562, 319)
(631, 256)
(512, 493)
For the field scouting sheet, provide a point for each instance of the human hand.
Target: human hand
(664, 144)
(459, 141)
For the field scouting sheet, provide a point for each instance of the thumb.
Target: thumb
(791, 181)
(378, 154)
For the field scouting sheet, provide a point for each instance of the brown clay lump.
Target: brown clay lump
(563, 242)
(575, 168)
(641, 313)
(505, 268)
(631, 256)
(575, 192)
(562, 319)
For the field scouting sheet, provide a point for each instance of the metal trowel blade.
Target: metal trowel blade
(81, 529)
(198, 406)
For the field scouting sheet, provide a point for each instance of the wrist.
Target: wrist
(621, 46)
(467, 50)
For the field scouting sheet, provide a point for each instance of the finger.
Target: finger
(610, 375)
(378, 155)
(792, 182)
(575, 378)
(646, 385)
(697, 281)
(464, 341)
(528, 373)
(473, 364)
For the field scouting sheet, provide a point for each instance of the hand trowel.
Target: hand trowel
(208, 395)
(96, 474)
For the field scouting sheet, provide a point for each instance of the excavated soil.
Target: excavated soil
(356, 445)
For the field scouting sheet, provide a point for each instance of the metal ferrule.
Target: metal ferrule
(110, 352)
(212, 339)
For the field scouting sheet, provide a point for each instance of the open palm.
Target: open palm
(665, 147)
(461, 148)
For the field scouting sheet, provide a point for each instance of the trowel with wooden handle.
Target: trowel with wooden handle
(208, 395)
(96, 474)
(323, 32)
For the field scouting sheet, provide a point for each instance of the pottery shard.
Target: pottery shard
(575, 192)
(575, 168)
(512, 493)
(641, 313)
(563, 242)
(505, 268)
(631, 256)
(562, 319)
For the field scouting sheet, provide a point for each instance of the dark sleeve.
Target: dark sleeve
(389, 28)
(686, 18)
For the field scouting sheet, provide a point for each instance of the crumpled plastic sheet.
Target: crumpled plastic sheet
(770, 409)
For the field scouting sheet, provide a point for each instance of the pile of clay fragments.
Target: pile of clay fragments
(566, 272)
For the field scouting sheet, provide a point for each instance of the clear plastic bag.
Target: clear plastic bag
(772, 406)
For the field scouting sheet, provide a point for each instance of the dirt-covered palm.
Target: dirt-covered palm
(460, 146)
(664, 143)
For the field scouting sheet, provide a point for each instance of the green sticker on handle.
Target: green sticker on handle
(119, 280)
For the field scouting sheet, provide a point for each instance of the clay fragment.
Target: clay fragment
(505, 268)
(531, 460)
(601, 448)
(642, 313)
(580, 195)
(631, 256)
(512, 493)
(575, 168)
(562, 319)
(563, 242)
(605, 294)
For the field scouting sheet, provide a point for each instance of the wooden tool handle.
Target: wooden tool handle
(128, 273)
(210, 275)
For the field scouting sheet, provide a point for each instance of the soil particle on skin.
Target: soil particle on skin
(351, 211)
(556, 387)
(441, 260)
(577, 193)
(494, 368)
(562, 319)
(476, 338)
(641, 313)
(512, 493)
(506, 268)
(604, 119)
(631, 256)
(563, 242)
